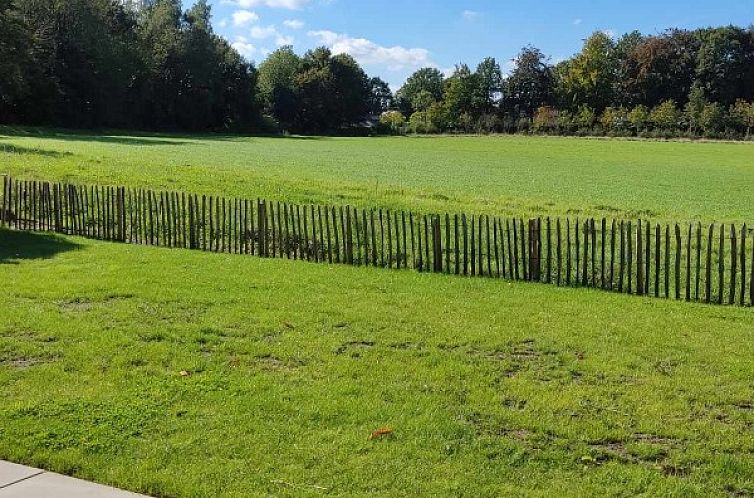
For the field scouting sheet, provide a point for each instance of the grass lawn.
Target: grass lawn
(491, 389)
(495, 175)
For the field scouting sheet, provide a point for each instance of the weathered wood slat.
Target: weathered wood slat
(678, 250)
(639, 260)
(742, 296)
(515, 250)
(559, 252)
(733, 264)
(721, 266)
(698, 261)
(708, 282)
(568, 251)
(548, 278)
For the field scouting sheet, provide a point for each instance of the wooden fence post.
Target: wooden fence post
(535, 271)
(262, 227)
(436, 245)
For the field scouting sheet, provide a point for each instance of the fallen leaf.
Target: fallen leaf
(385, 431)
(184, 373)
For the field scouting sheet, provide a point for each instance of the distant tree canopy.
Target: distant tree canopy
(102, 63)
(679, 82)
(97, 63)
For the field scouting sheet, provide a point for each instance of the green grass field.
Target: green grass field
(184, 374)
(496, 175)
(491, 389)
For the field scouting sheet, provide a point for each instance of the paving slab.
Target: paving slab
(17, 481)
(11, 473)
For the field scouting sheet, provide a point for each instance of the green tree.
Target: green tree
(661, 68)
(459, 98)
(725, 68)
(694, 108)
(276, 85)
(545, 119)
(712, 119)
(332, 92)
(585, 118)
(489, 80)
(529, 85)
(742, 114)
(381, 98)
(666, 116)
(16, 57)
(428, 80)
(395, 121)
(640, 118)
(625, 67)
(422, 100)
(615, 119)
(589, 78)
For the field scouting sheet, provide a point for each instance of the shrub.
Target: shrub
(712, 120)
(615, 120)
(742, 116)
(666, 117)
(639, 117)
(393, 121)
(585, 118)
(545, 120)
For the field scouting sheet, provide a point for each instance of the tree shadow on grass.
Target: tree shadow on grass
(18, 246)
(118, 139)
(15, 149)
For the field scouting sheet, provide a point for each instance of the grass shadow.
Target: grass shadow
(17, 246)
(15, 149)
(117, 139)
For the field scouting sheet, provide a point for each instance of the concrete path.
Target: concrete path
(17, 481)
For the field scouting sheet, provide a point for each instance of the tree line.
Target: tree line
(678, 83)
(100, 63)
(103, 64)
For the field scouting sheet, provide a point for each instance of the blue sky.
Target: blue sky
(392, 38)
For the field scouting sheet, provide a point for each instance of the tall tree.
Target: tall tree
(662, 68)
(460, 96)
(428, 80)
(589, 78)
(381, 98)
(725, 68)
(529, 85)
(332, 92)
(276, 84)
(16, 60)
(490, 85)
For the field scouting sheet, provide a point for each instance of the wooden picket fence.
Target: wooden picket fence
(693, 262)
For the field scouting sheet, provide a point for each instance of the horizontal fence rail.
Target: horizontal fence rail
(711, 263)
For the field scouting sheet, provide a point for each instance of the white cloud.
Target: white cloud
(244, 48)
(243, 17)
(367, 52)
(293, 23)
(470, 15)
(261, 32)
(265, 32)
(247, 49)
(576, 22)
(275, 4)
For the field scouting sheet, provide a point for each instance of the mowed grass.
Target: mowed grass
(505, 175)
(490, 389)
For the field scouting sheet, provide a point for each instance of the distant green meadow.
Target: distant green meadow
(183, 374)
(502, 175)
